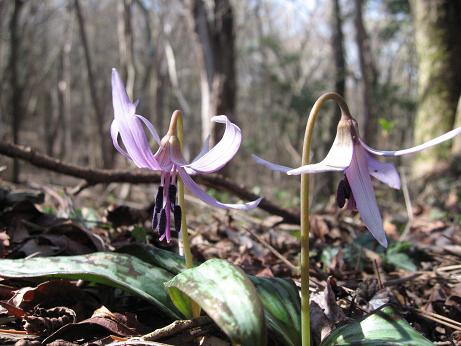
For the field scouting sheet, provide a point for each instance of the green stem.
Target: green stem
(184, 232)
(305, 225)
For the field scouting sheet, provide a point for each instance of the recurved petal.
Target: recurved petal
(129, 127)
(383, 171)
(175, 152)
(362, 190)
(150, 127)
(445, 137)
(197, 191)
(338, 158)
(136, 144)
(114, 134)
(222, 152)
(120, 100)
(270, 165)
(204, 149)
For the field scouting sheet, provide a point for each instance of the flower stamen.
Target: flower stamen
(177, 213)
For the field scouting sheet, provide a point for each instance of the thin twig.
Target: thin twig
(380, 282)
(294, 269)
(437, 318)
(175, 328)
(408, 206)
(402, 280)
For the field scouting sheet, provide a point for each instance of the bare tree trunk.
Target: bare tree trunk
(369, 76)
(214, 29)
(51, 123)
(154, 65)
(126, 44)
(456, 148)
(438, 43)
(99, 115)
(161, 86)
(17, 109)
(326, 182)
(337, 43)
(64, 98)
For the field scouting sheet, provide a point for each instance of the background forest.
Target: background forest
(262, 63)
(72, 207)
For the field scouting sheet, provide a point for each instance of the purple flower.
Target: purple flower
(349, 154)
(168, 159)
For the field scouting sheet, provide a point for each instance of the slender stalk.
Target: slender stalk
(305, 225)
(184, 232)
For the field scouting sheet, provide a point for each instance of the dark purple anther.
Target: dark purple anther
(154, 220)
(159, 200)
(177, 218)
(162, 223)
(343, 192)
(172, 190)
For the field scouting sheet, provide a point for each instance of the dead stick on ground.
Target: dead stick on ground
(277, 254)
(175, 328)
(437, 318)
(408, 206)
(135, 176)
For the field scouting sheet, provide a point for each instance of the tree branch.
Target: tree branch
(135, 176)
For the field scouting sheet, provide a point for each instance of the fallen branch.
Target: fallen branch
(176, 327)
(93, 176)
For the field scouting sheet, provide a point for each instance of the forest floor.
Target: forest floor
(419, 273)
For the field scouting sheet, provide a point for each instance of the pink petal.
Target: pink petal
(128, 125)
(338, 158)
(197, 191)
(445, 137)
(383, 171)
(204, 149)
(364, 196)
(163, 158)
(222, 152)
(150, 127)
(176, 155)
(121, 101)
(114, 134)
(270, 165)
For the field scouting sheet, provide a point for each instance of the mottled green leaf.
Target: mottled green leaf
(118, 270)
(227, 295)
(280, 297)
(282, 308)
(167, 260)
(383, 327)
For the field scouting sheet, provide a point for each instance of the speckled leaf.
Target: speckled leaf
(118, 270)
(383, 327)
(280, 297)
(282, 308)
(227, 295)
(167, 260)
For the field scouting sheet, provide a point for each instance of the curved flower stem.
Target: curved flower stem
(177, 117)
(304, 197)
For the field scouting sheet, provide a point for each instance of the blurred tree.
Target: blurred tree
(369, 76)
(214, 28)
(99, 115)
(64, 87)
(155, 66)
(337, 45)
(126, 44)
(438, 42)
(16, 80)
